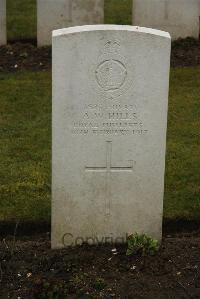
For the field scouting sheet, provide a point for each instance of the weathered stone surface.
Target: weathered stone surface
(178, 17)
(57, 14)
(3, 22)
(110, 99)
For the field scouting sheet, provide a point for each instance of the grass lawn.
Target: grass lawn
(22, 16)
(118, 12)
(26, 146)
(21, 19)
(182, 192)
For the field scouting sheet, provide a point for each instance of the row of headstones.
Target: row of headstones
(178, 17)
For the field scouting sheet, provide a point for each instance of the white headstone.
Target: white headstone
(110, 99)
(57, 14)
(179, 17)
(2, 22)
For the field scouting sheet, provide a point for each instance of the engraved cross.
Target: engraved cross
(108, 169)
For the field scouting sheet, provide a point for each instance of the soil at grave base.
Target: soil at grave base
(26, 56)
(30, 269)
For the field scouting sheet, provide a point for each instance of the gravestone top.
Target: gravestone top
(87, 28)
(110, 99)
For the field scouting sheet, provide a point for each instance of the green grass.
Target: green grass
(118, 12)
(182, 196)
(22, 16)
(26, 146)
(21, 19)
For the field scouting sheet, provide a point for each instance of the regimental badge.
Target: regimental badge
(112, 72)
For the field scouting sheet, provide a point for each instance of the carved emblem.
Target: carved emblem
(111, 74)
(111, 71)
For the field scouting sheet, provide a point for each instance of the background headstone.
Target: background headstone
(178, 17)
(57, 14)
(3, 22)
(110, 99)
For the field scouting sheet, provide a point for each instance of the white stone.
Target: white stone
(110, 99)
(57, 14)
(3, 22)
(178, 17)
